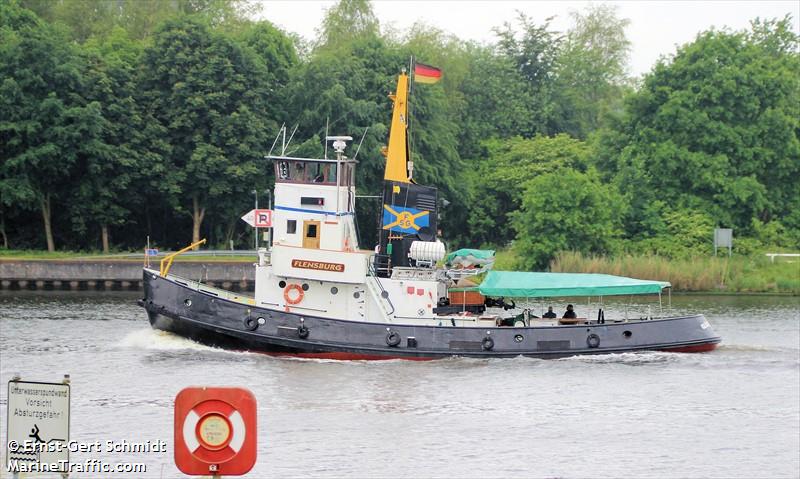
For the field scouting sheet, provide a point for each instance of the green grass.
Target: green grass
(739, 274)
(11, 254)
(35, 255)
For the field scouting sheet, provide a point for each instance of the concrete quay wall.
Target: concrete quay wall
(116, 275)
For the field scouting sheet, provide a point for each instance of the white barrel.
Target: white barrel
(427, 251)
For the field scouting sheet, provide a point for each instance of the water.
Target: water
(731, 413)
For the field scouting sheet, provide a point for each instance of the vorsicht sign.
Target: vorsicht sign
(37, 426)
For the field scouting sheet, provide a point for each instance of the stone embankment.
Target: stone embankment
(116, 274)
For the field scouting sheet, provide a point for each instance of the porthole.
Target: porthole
(384, 294)
(305, 286)
(518, 338)
(282, 284)
(262, 321)
(627, 334)
(356, 295)
(334, 290)
(187, 302)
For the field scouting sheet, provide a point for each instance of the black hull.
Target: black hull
(211, 320)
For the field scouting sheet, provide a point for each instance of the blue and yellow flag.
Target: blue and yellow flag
(404, 220)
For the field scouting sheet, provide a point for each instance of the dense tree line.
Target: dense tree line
(124, 119)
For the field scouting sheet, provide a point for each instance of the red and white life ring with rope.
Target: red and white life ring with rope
(288, 297)
(214, 431)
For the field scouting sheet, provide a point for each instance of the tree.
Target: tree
(346, 22)
(535, 54)
(592, 70)
(110, 175)
(140, 18)
(566, 210)
(498, 183)
(210, 96)
(46, 122)
(497, 101)
(715, 129)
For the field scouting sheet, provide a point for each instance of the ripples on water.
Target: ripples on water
(731, 413)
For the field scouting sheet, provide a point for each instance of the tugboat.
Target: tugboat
(318, 295)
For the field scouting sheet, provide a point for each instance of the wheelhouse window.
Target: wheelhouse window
(301, 171)
(291, 227)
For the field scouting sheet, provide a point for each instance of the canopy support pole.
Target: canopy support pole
(660, 308)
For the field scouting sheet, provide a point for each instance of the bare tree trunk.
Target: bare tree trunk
(230, 230)
(104, 234)
(3, 231)
(48, 230)
(197, 219)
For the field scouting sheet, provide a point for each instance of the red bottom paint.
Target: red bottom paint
(345, 356)
(697, 348)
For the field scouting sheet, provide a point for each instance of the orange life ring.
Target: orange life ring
(293, 287)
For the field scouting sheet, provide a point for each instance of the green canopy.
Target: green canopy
(536, 285)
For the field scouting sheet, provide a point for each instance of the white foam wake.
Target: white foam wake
(153, 339)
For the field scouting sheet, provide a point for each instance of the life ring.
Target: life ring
(293, 287)
(487, 343)
(224, 447)
(250, 323)
(593, 340)
(302, 331)
(393, 338)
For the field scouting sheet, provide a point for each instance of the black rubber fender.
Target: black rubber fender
(487, 343)
(393, 338)
(303, 331)
(250, 323)
(593, 340)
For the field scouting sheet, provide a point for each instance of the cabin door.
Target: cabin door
(311, 234)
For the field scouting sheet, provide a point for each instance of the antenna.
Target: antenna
(292, 135)
(283, 127)
(359, 143)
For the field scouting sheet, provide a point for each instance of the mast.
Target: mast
(409, 210)
(397, 159)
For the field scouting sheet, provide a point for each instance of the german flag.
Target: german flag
(426, 74)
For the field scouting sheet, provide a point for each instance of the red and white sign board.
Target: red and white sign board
(258, 218)
(215, 431)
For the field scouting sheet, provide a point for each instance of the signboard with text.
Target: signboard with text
(258, 218)
(38, 426)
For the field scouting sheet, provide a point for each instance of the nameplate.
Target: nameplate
(318, 265)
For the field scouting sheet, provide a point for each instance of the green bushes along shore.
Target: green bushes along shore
(739, 274)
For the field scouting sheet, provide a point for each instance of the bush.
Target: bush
(566, 210)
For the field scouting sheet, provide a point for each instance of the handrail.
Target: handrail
(164, 269)
(374, 276)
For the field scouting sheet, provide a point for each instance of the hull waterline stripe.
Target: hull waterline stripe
(315, 212)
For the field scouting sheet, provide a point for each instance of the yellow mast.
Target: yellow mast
(397, 152)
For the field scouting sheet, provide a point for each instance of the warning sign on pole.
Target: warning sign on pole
(38, 426)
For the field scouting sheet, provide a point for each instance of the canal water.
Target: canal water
(731, 413)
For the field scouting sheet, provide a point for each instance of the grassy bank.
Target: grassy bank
(743, 274)
(36, 255)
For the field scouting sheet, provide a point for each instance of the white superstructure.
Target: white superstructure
(315, 265)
